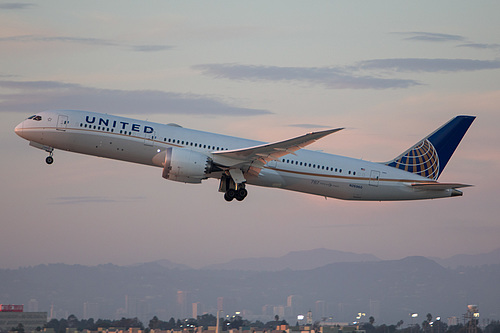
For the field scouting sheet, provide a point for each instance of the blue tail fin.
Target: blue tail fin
(429, 156)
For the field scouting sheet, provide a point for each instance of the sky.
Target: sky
(390, 72)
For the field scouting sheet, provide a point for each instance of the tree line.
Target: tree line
(235, 322)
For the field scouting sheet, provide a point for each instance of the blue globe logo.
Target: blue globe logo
(422, 160)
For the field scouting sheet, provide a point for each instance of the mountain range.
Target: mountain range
(289, 285)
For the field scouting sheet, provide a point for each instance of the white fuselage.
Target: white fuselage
(143, 142)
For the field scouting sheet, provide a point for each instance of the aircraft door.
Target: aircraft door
(62, 122)
(374, 178)
(149, 139)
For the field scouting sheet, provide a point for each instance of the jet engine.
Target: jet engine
(187, 166)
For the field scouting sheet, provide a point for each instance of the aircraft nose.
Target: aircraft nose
(19, 129)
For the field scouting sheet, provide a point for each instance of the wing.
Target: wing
(258, 156)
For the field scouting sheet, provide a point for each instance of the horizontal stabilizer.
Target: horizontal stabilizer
(438, 186)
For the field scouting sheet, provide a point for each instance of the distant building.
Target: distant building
(320, 310)
(183, 304)
(197, 311)
(220, 303)
(33, 305)
(29, 320)
(90, 310)
(374, 309)
(309, 318)
(279, 310)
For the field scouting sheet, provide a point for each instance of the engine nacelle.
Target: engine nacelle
(187, 166)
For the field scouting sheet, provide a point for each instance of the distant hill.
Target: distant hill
(296, 260)
(490, 258)
(388, 289)
(166, 264)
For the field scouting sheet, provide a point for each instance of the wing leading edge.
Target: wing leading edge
(258, 156)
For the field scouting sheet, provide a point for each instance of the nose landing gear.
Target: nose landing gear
(49, 160)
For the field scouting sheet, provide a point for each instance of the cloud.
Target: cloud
(16, 5)
(84, 41)
(73, 200)
(431, 37)
(309, 126)
(481, 46)
(63, 39)
(429, 65)
(151, 48)
(32, 96)
(330, 77)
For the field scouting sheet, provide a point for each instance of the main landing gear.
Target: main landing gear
(238, 194)
(231, 189)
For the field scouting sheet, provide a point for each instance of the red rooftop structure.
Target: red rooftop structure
(11, 308)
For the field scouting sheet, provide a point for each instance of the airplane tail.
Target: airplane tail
(429, 156)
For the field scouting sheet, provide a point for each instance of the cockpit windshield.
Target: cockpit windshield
(35, 117)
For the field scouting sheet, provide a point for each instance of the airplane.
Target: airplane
(191, 156)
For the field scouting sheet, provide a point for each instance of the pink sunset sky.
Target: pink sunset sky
(389, 73)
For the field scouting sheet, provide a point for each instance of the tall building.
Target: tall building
(374, 309)
(267, 310)
(220, 303)
(33, 305)
(90, 310)
(197, 311)
(309, 318)
(320, 310)
(292, 307)
(279, 311)
(184, 304)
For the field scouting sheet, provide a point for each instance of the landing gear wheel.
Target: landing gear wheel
(49, 160)
(241, 194)
(230, 194)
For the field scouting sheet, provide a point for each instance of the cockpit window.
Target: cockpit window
(35, 117)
